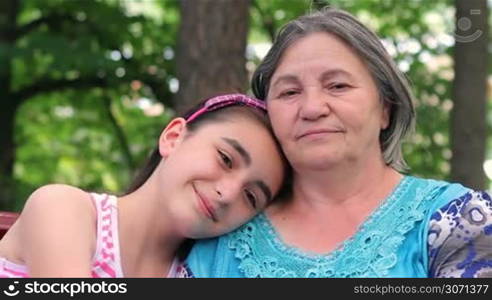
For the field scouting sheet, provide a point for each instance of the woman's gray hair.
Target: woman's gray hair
(392, 84)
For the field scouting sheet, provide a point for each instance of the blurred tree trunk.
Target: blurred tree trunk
(8, 105)
(468, 117)
(319, 4)
(211, 49)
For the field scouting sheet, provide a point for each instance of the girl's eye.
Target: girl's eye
(251, 198)
(226, 160)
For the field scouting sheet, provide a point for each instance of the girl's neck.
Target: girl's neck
(148, 241)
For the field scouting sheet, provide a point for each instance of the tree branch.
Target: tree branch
(120, 134)
(50, 20)
(50, 85)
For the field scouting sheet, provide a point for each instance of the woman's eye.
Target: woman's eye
(339, 86)
(287, 93)
(251, 198)
(226, 160)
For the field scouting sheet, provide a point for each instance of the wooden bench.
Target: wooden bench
(7, 218)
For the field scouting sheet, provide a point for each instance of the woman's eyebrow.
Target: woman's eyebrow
(285, 78)
(329, 74)
(240, 149)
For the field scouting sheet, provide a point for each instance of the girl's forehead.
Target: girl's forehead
(233, 122)
(241, 129)
(250, 133)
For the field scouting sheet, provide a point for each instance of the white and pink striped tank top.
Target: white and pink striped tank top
(106, 262)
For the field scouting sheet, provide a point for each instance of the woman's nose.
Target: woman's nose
(314, 105)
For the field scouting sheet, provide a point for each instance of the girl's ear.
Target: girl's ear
(172, 136)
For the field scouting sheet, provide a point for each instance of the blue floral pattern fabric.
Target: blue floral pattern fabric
(460, 237)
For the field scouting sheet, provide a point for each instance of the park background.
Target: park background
(86, 86)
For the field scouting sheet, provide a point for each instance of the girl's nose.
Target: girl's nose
(228, 190)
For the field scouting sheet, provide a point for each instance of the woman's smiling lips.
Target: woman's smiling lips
(316, 132)
(205, 206)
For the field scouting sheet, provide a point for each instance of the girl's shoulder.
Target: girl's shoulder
(60, 213)
(55, 234)
(59, 194)
(58, 204)
(58, 201)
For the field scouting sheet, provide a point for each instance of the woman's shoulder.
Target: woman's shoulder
(460, 235)
(434, 192)
(202, 261)
(462, 204)
(459, 230)
(438, 183)
(223, 256)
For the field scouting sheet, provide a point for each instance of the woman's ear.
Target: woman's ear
(385, 118)
(172, 136)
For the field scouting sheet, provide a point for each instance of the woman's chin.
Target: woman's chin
(317, 163)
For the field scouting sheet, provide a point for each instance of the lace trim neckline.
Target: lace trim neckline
(283, 247)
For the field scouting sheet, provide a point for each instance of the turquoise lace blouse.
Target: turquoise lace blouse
(425, 228)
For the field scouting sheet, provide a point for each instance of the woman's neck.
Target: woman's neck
(332, 203)
(341, 183)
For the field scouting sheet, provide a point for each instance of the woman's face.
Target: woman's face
(324, 105)
(220, 175)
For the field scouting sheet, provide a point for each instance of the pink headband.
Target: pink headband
(227, 100)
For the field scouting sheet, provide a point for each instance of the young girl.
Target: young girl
(211, 172)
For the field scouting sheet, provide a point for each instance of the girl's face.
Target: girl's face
(219, 176)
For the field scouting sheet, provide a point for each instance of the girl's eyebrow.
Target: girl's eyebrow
(247, 160)
(240, 149)
(264, 188)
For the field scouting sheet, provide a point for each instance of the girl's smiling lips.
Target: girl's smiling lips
(205, 206)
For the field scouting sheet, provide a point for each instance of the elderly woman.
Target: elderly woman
(340, 109)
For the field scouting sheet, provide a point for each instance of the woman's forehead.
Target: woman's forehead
(321, 46)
